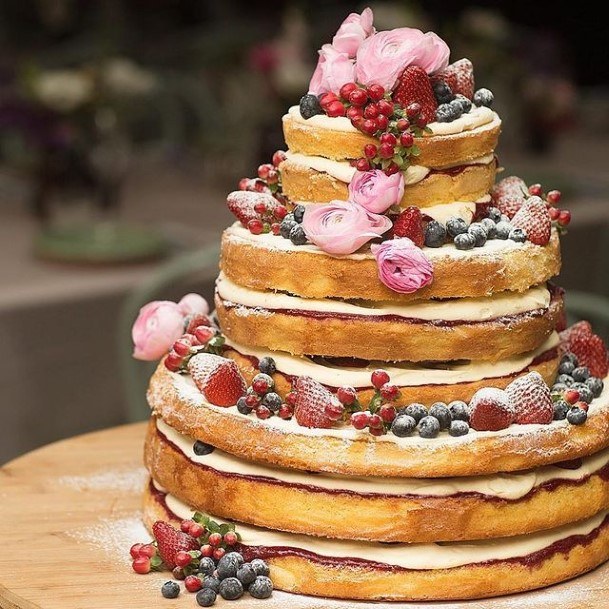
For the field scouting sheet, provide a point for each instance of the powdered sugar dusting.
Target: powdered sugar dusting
(126, 480)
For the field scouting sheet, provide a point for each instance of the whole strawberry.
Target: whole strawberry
(410, 224)
(531, 399)
(217, 378)
(246, 205)
(490, 410)
(311, 400)
(534, 219)
(588, 347)
(509, 194)
(459, 76)
(170, 541)
(414, 86)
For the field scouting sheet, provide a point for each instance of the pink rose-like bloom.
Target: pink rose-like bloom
(375, 190)
(192, 304)
(159, 324)
(342, 227)
(353, 31)
(381, 58)
(334, 69)
(402, 266)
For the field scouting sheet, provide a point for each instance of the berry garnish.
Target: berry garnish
(141, 565)
(483, 97)
(458, 77)
(490, 410)
(309, 106)
(534, 219)
(379, 378)
(217, 378)
(530, 397)
(192, 583)
(170, 589)
(244, 204)
(509, 194)
(414, 86)
(588, 348)
(311, 400)
(170, 541)
(346, 395)
(410, 224)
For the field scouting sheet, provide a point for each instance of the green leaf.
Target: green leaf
(398, 160)
(427, 129)
(224, 529)
(415, 150)
(156, 561)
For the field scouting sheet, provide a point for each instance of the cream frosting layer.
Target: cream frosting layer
(416, 556)
(403, 374)
(460, 309)
(504, 486)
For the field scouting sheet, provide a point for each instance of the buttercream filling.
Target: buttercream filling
(403, 374)
(512, 486)
(416, 556)
(502, 304)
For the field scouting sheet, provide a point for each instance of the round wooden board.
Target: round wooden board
(70, 511)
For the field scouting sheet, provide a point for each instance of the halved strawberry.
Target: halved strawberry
(589, 348)
(311, 400)
(410, 224)
(242, 204)
(217, 378)
(414, 86)
(509, 194)
(459, 76)
(531, 399)
(490, 410)
(170, 541)
(534, 218)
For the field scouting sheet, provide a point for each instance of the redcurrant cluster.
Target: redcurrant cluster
(262, 399)
(269, 178)
(372, 111)
(203, 337)
(269, 220)
(562, 217)
(145, 558)
(215, 538)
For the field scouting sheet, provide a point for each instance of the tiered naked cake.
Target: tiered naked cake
(387, 410)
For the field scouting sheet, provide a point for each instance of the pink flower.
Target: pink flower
(159, 324)
(192, 304)
(381, 58)
(342, 227)
(353, 31)
(375, 190)
(402, 265)
(334, 69)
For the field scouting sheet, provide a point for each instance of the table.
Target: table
(69, 513)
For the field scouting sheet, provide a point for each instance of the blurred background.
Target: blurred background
(123, 123)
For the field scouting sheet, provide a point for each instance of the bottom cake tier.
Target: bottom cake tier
(401, 572)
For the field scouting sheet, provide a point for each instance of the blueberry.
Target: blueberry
(435, 234)
(465, 241)
(466, 104)
(242, 406)
(246, 574)
(565, 379)
(201, 448)
(505, 218)
(403, 425)
(213, 583)
(207, 565)
(170, 589)
(267, 365)
(228, 565)
(458, 428)
(585, 394)
(440, 411)
(455, 226)
(429, 427)
(442, 92)
(206, 597)
(272, 401)
(297, 235)
(518, 235)
(483, 97)
(457, 106)
(309, 106)
(581, 374)
(231, 589)
(595, 385)
(262, 587)
(286, 227)
(560, 410)
(577, 385)
(503, 230)
(577, 416)
(477, 231)
(260, 566)
(570, 357)
(559, 388)
(298, 212)
(489, 227)
(566, 367)
(459, 410)
(447, 113)
(416, 411)
(494, 214)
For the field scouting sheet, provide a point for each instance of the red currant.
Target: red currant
(392, 168)
(178, 573)
(182, 346)
(263, 171)
(388, 138)
(262, 412)
(204, 334)
(148, 550)
(359, 420)
(357, 122)
(370, 150)
(362, 164)
(183, 559)
(387, 413)
(255, 226)
(336, 108)
(402, 124)
(135, 549)
(278, 157)
(354, 112)
(327, 98)
(260, 208)
(389, 392)
(386, 151)
(375, 421)
(290, 398)
(413, 110)
(406, 139)
(141, 565)
(564, 217)
(379, 378)
(244, 183)
(358, 97)
(346, 89)
(385, 108)
(280, 212)
(553, 197)
(273, 177)
(219, 553)
(582, 405)
(554, 213)
(185, 525)
(421, 122)
(571, 396)
(173, 361)
(252, 400)
(276, 228)
(334, 410)
(230, 538)
(369, 126)
(371, 111)
(536, 190)
(215, 539)
(263, 384)
(285, 412)
(375, 92)
(347, 395)
(196, 530)
(207, 550)
(377, 431)
(192, 583)
(260, 186)
(382, 121)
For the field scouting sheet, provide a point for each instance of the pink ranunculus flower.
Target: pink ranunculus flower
(402, 266)
(381, 58)
(191, 304)
(353, 31)
(342, 227)
(159, 324)
(334, 69)
(375, 190)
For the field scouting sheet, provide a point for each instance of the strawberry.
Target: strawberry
(170, 541)
(588, 347)
(311, 400)
(509, 194)
(242, 204)
(217, 378)
(410, 224)
(490, 410)
(414, 86)
(459, 76)
(533, 217)
(530, 397)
